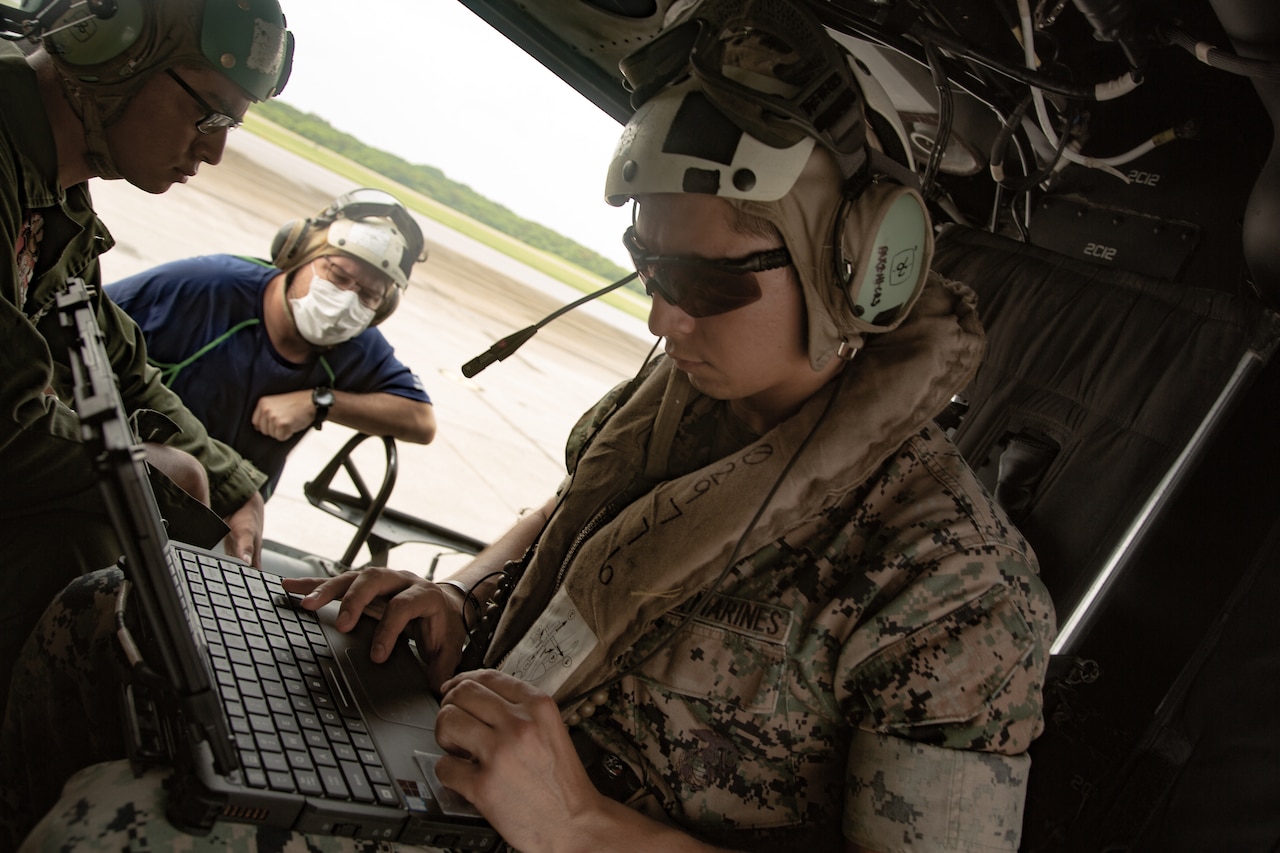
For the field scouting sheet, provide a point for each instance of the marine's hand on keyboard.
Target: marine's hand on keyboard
(399, 600)
(245, 539)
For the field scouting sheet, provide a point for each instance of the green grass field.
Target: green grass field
(557, 268)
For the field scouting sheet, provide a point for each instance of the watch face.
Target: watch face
(322, 397)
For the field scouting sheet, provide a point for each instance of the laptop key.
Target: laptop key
(275, 761)
(324, 756)
(308, 782)
(361, 790)
(334, 783)
(299, 759)
(281, 780)
(269, 742)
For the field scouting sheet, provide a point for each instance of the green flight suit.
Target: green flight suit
(53, 525)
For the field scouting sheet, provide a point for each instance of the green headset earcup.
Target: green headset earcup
(92, 41)
(888, 229)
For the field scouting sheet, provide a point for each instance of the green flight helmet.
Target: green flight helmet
(85, 40)
(114, 46)
(247, 40)
(105, 50)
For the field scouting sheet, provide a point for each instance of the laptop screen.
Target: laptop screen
(120, 463)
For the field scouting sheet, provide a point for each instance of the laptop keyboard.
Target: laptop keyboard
(281, 688)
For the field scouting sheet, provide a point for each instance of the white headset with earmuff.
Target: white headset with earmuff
(882, 235)
(882, 247)
(356, 205)
(294, 243)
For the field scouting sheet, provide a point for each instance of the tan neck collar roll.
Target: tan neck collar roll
(90, 112)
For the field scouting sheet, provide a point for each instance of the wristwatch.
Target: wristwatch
(322, 399)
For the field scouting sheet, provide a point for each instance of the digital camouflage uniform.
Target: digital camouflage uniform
(870, 668)
(52, 523)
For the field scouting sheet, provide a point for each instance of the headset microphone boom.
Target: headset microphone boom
(512, 342)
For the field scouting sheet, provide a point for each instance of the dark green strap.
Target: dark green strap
(169, 371)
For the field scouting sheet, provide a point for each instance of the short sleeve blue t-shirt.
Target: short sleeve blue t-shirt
(184, 305)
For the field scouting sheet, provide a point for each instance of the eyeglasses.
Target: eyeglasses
(371, 294)
(702, 287)
(213, 120)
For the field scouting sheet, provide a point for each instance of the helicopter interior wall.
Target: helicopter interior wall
(1093, 382)
(1113, 371)
(1224, 792)
(1176, 215)
(1135, 718)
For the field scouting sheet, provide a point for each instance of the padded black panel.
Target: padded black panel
(1116, 369)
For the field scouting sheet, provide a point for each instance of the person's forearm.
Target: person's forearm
(380, 413)
(481, 574)
(232, 479)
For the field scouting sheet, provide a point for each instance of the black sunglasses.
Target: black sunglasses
(702, 287)
(213, 120)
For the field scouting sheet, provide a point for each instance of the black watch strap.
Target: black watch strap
(322, 399)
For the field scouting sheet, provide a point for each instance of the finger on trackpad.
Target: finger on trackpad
(451, 802)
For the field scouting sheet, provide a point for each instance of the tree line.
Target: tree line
(432, 182)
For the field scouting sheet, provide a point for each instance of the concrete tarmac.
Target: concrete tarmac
(499, 447)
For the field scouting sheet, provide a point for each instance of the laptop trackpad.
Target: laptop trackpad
(450, 801)
(395, 690)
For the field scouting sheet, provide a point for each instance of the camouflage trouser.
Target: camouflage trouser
(63, 710)
(41, 553)
(64, 716)
(106, 808)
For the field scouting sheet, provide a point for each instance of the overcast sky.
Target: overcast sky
(432, 83)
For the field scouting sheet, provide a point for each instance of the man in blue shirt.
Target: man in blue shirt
(261, 352)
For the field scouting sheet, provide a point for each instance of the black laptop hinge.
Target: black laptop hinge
(190, 806)
(147, 743)
(141, 692)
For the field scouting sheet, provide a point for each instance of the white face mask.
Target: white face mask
(329, 315)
